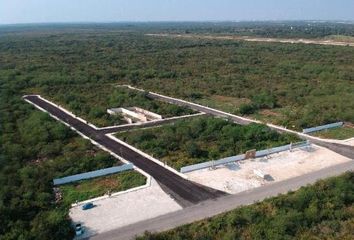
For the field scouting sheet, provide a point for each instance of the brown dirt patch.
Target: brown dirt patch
(232, 100)
(268, 112)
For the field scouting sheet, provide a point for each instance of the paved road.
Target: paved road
(222, 204)
(200, 202)
(345, 150)
(185, 192)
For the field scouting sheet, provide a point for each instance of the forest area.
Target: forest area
(305, 85)
(197, 140)
(294, 85)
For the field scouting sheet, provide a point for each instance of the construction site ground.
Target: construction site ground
(238, 177)
(124, 209)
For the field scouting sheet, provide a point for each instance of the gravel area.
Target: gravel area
(124, 209)
(238, 177)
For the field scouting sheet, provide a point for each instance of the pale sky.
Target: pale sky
(44, 11)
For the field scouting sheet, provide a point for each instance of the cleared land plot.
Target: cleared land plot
(91, 188)
(200, 139)
(91, 102)
(340, 133)
(238, 177)
(335, 40)
(124, 209)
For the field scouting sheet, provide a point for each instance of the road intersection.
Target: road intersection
(198, 201)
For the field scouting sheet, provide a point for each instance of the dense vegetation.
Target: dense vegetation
(304, 85)
(322, 211)
(34, 150)
(87, 189)
(307, 85)
(196, 140)
(91, 102)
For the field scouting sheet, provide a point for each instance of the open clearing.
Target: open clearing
(328, 41)
(239, 177)
(124, 209)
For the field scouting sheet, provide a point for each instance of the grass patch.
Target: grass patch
(201, 139)
(340, 133)
(91, 188)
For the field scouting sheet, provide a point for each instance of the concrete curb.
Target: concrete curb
(148, 177)
(151, 122)
(113, 126)
(281, 128)
(111, 135)
(191, 103)
(147, 184)
(63, 109)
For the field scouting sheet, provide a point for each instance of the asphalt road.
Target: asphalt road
(200, 202)
(227, 203)
(185, 192)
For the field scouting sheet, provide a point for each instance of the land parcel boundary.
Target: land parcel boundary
(91, 102)
(194, 141)
(92, 174)
(240, 157)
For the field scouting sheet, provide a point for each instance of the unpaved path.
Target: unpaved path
(257, 39)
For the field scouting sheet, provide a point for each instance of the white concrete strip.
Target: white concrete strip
(236, 116)
(64, 110)
(91, 140)
(153, 121)
(147, 184)
(111, 135)
(194, 104)
(108, 127)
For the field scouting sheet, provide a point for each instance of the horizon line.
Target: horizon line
(177, 21)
